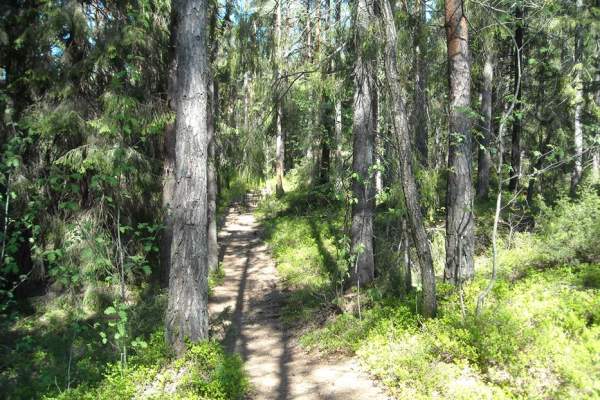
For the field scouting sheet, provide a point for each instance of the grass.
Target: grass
(302, 231)
(538, 336)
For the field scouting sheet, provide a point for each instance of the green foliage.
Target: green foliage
(570, 230)
(204, 372)
(537, 339)
(302, 229)
(347, 332)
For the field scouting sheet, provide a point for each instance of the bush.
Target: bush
(570, 232)
(205, 372)
(536, 338)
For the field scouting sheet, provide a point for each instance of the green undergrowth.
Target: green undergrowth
(62, 352)
(538, 335)
(204, 372)
(302, 229)
(536, 338)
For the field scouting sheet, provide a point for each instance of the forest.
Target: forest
(299, 199)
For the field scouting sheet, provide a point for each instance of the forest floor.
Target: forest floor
(246, 314)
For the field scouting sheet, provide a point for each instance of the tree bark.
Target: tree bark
(338, 103)
(577, 125)
(213, 245)
(168, 151)
(459, 221)
(484, 161)
(187, 311)
(411, 194)
(544, 149)
(517, 128)
(420, 114)
(280, 138)
(213, 190)
(364, 124)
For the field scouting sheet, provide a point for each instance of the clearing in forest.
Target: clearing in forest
(247, 305)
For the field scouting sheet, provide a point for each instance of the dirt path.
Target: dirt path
(247, 305)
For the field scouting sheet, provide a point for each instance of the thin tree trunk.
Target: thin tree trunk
(325, 159)
(517, 128)
(378, 145)
(246, 86)
(544, 149)
(420, 114)
(364, 124)
(577, 126)
(404, 244)
(280, 138)
(596, 152)
(411, 194)
(308, 31)
(459, 221)
(484, 160)
(213, 245)
(187, 309)
(317, 27)
(338, 105)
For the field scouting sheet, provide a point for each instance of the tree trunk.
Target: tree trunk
(484, 161)
(577, 126)
(364, 123)
(325, 159)
(168, 151)
(596, 152)
(308, 31)
(213, 245)
(420, 112)
(411, 194)
(187, 309)
(339, 162)
(544, 149)
(405, 249)
(459, 221)
(280, 138)
(517, 128)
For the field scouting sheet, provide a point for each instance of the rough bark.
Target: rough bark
(577, 125)
(187, 312)
(459, 220)
(168, 152)
(411, 194)
(420, 112)
(363, 129)
(484, 161)
(517, 127)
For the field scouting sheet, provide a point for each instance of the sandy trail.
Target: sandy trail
(247, 306)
